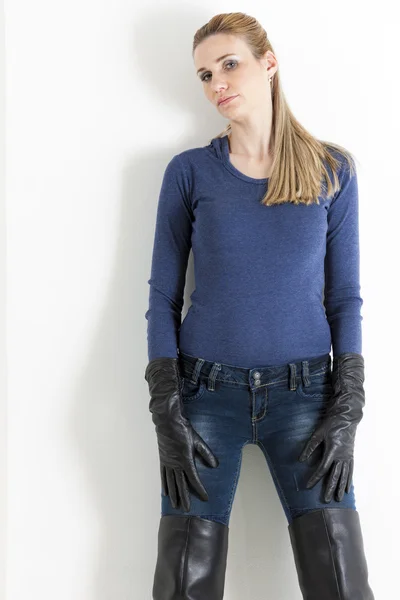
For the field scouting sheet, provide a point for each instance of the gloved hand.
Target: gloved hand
(338, 428)
(177, 440)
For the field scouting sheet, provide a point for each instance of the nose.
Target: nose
(219, 90)
(217, 87)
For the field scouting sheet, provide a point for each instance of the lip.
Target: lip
(227, 100)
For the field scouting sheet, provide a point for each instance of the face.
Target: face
(236, 74)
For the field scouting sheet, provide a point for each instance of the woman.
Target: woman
(272, 216)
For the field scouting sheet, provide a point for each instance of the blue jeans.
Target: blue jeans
(277, 408)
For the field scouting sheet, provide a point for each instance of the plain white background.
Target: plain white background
(99, 97)
(3, 368)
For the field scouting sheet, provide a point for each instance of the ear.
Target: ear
(270, 62)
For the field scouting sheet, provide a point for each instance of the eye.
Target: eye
(229, 62)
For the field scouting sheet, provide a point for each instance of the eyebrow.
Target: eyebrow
(217, 61)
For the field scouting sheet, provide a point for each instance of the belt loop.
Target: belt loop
(197, 369)
(305, 373)
(213, 374)
(292, 376)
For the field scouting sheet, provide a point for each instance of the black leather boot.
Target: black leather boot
(329, 555)
(192, 556)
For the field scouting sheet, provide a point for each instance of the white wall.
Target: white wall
(100, 95)
(3, 369)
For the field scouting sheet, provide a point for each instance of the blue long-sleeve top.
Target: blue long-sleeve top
(273, 284)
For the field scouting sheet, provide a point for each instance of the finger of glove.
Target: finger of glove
(311, 445)
(184, 493)
(164, 485)
(205, 451)
(333, 479)
(172, 491)
(194, 480)
(342, 481)
(350, 475)
(321, 470)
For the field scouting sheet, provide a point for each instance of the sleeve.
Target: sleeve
(172, 243)
(342, 267)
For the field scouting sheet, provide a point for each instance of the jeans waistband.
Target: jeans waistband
(195, 367)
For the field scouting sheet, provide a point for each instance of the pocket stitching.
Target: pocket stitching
(195, 396)
(301, 390)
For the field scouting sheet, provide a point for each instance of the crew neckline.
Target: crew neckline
(227, 162)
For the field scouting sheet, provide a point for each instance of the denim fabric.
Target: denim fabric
(277, 408)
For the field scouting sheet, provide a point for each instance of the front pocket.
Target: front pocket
(191, 391)
(320, 387)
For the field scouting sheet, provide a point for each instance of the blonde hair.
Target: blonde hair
(298, 171)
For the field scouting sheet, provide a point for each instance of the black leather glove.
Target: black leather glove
(338, 427)
(177, 440)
